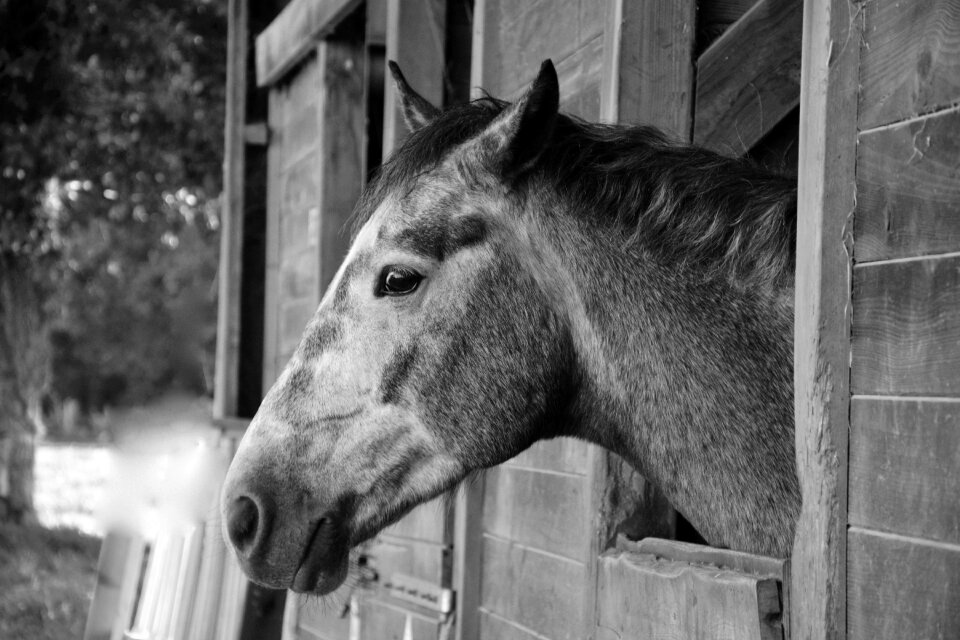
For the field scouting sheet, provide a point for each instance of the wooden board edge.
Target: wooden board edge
(227, 358)
(468, 558)
(826, 201)
(718, 134)
(294, 33)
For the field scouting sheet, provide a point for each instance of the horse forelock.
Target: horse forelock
(689, 206)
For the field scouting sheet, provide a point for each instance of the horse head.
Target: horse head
(436, 351)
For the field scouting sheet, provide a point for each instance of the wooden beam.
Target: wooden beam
(294, 33)
(703, 555)
(826, 200)
(648, 64)
(749, 78)
(416, 41)
(227, 364)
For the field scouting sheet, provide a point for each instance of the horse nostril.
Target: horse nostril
(243, 520)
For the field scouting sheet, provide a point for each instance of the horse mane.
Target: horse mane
(691, 207)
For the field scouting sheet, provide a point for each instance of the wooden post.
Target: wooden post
(231, 218)
(468, 558)
(826, 201)
(749, 78)
(416, 41)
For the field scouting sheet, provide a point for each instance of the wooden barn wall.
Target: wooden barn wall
(314, 178)
(903, 543)
(318, 155)
(537, 549)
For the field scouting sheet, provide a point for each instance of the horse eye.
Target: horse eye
(398, 281)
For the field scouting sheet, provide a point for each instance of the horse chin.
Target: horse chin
(325, 560)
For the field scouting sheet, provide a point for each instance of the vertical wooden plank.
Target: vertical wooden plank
(468, 557)
(477, 48)
(649, 64)
(416, 34)
(227, 367)
(911, 60)
(271, 310)
(904, 458)
(901, 587)
(340, 110)
(826, 200)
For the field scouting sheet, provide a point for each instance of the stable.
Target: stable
(566, 540)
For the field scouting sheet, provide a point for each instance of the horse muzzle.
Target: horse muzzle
(306, 554)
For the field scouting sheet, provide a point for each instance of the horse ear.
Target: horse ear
(519, 135)
(417, 110)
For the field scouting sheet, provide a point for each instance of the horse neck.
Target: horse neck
(688, 379)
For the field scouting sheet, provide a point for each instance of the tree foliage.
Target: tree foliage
(111, 121)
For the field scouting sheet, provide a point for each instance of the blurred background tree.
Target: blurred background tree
(111, 134)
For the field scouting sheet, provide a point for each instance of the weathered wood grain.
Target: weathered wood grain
(294, 33)
(643, 596)
(906, 327)
(649, 65)
(900, 587)
(908, 189)
(676, 551)
(749, 78)
(416, 36)
(716, 16)
(340, 111)
(540, 510)
(579, 76)
(293, 214)
(910, 59)
(905, 467)
(826, 198)
(541, 592)
(520, 34)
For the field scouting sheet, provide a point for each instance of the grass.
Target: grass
(47, 578)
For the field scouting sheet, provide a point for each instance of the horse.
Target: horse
(518, 274)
